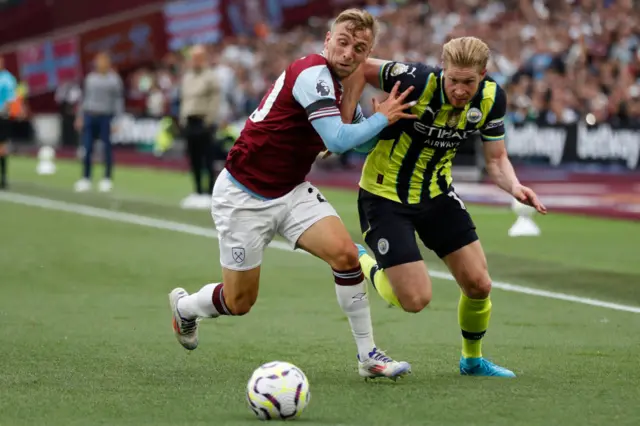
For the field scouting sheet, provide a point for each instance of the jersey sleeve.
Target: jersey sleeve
(339, 137)
(314, 90)
(408, 74)
(493, 129)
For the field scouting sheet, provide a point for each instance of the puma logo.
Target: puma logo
(430, 111)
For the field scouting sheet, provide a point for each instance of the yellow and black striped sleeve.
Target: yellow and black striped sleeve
(493, 129)
(408, 74)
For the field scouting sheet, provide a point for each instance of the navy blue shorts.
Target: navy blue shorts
(389, 227)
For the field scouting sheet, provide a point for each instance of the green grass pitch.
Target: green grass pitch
(85, 335)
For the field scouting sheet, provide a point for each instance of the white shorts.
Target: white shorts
(246, 224)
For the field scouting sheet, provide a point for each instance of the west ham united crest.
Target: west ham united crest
(238, 254)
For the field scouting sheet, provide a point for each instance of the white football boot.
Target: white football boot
(83, 185)
(106, 185)
(186, 331)
(380, 365)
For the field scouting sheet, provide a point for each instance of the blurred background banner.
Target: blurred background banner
(187, 23)
(556, 145)
(131, 42)
(32, 18)
(46, 64)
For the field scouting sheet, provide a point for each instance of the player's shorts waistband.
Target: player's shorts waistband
(225, 173)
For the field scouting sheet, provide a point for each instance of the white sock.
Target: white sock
(354, 302)
(200, 304)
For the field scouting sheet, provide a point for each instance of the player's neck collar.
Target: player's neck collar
(443, 95)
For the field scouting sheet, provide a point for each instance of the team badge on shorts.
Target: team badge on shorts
(474, 115)
(383, 246)
(238, 255)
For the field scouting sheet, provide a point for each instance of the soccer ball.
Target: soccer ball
(278, 390)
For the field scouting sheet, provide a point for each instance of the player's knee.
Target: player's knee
(345, 257)
(414, 303)
(478, 287)
(416, 300)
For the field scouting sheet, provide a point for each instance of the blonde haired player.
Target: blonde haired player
(406, 187)
(263, 192)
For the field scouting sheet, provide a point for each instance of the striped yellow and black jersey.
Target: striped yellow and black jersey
(411, 162)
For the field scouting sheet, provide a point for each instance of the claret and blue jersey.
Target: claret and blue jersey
(297, 119)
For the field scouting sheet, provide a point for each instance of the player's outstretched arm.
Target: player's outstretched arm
(372, 70)
(501, 171)
(384, 75)
(497, 161)
(339, 137)
(313, 91)
(358, 117)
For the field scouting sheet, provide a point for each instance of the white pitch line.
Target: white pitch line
(183, 228)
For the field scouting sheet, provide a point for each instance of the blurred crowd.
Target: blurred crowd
(559, 60)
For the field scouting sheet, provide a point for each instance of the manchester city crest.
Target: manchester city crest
(474, 115)
(398, 69)
(383, 246)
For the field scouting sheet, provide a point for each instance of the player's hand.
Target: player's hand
(526, 196)
(394, 106)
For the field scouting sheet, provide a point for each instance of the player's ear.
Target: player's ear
(326, 43)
